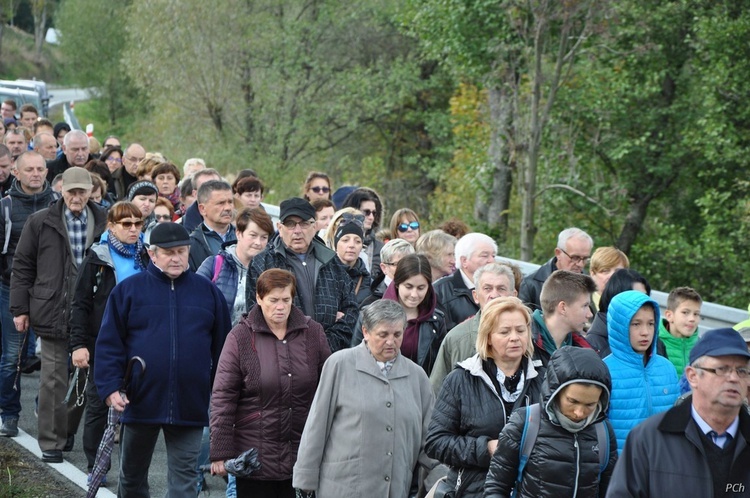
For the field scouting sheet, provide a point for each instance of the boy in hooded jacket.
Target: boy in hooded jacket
(565, 458)
(643, 383)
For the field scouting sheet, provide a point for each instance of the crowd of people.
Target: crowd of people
(356, 355)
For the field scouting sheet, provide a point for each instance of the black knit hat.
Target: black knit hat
(349, 227)
(142, 188)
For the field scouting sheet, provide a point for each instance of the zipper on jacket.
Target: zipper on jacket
(648, 393)
(578, 464)
(173, 355)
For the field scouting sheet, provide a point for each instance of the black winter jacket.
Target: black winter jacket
(361, 287)
(455, 299)
(561, 463)
(96, 279)
(531, 285)
(199, 247)
(598, 336)
(22, 205)
(468, 414)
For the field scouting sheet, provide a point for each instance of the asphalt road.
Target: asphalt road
(158, 472)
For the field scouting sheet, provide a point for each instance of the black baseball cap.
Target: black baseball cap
(296, 206)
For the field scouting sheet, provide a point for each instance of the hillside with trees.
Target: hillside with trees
(628, 119)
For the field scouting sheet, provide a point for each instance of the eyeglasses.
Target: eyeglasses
(290, 224)
(134, 159)
(369, 212)
(113, 159)
(130, 224)
(726, 371)
(576, 259)
(403, 227)
(163, 217)
(318, 190)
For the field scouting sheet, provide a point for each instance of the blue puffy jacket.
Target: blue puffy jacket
(638, 390)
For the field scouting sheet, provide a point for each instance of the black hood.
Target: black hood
(571, 364)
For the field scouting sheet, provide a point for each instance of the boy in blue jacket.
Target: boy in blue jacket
(643, 383)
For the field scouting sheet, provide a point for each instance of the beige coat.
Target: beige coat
(365, 432)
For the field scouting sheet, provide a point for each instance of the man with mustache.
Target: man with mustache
(216, 205)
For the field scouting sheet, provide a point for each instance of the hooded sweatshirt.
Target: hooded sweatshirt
(639, 389)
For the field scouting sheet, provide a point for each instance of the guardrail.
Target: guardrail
(70, 117)
(713, 315)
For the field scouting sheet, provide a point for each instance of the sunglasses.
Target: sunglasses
(319, 190)
(164, 217)
(403, 227)
(369, 212)
(347, 218)
(130, 224)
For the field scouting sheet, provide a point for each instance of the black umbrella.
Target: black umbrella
(104, 453)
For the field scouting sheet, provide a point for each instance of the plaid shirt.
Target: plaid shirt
(76, 233)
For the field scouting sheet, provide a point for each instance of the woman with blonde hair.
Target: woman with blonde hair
(479, 395)
(604, 262)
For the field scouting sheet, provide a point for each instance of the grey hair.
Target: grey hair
(204, 193)
(204, 172)
(501, 269)
(572, 232)
(190, 162)
(466, 245)
(383, 310)
(393, 247)
(75, 133)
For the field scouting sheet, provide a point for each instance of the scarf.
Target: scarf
(132, 251)
(174, 198)
(569, 425)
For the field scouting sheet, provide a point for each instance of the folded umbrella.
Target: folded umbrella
(241, 466)
(104, 452)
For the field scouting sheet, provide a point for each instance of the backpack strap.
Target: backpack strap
(218, 263)
(528, 438)
(602, 436)
(6, 203)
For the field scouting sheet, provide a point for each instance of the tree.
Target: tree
(92, 39)
(40, 10)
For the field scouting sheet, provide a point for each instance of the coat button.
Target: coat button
(389, 453)
(388, 404)
(387, 478)
(289, 374)
(389, 428)
(284, 341)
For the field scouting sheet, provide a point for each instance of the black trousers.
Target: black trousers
(249, 488)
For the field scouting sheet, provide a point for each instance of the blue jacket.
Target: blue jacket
(178, 327)
(638, 390)
(228, 276)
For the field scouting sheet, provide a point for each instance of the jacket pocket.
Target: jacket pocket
(247, 420)
(41, 307)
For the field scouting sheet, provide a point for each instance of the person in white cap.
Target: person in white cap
(49, 252)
